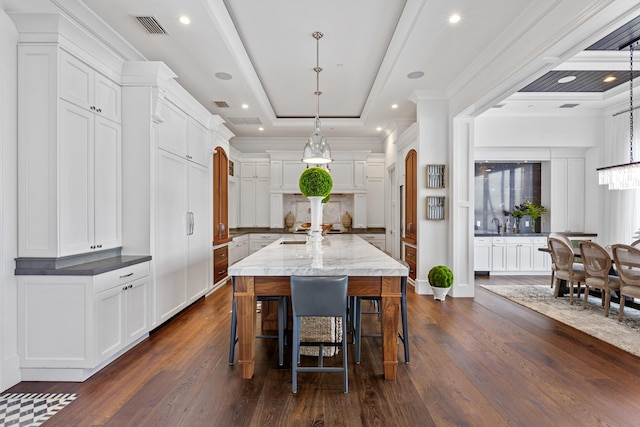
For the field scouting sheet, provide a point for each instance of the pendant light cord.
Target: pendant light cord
(317, 35)
(631, 103)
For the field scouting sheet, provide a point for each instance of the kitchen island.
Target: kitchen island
(266, 273)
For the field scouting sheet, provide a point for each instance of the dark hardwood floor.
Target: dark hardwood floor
(483, 362)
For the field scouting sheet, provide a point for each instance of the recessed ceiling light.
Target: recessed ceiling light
(394, 106)
(260, 129)
(224, 76)
(245, 106)
(185, 20)
(609, 79)
(454, 19)
(415, 74)
(566, 79)
(378, 128)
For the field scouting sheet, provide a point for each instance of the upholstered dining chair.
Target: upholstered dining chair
(318, 296)
(597, 265)
(562, 255)
(627, 259)
(636, 243)
(561, 236)
(282, 322)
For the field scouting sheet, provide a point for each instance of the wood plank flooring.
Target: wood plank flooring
(483, 362)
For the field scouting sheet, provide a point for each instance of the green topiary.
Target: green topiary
(315, 182)
(326, 199)
(440, 277)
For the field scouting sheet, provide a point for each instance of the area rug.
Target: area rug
(625, 334)
(31, 409)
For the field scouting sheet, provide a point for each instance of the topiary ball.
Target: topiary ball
(440, 277)
(315, 182)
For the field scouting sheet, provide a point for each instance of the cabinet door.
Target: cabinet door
(375, 170)
(107, 185)
(263, 170)
(498, 257)
(76, 81)
(512, 255)
(199, 237)
(75, 172)
(276, 217)
(110, 317)
(375, 202)
(137, 309)
(221, 197)
(276, 174)
(525, 258)
(262, 203)
(198, 143)
(291, 171)
(107, 98)
(482, 255)
(411, 197)
(247, 202)
(171, 235)
(359, 174)
(172, 132)
(342, 174)
(359, 211)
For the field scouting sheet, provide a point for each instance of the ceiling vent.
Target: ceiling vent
(244, 120)
(221, 104)
(499, 105)
(569, 105)
(151, 25)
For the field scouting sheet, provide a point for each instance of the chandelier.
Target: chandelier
(317, 150)
(626, 175)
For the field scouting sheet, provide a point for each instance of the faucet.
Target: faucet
(496, 221)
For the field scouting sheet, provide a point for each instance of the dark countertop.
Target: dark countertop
(235, 232)
(48, 267)
(569, 234)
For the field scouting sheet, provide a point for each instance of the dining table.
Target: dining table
(267, 272)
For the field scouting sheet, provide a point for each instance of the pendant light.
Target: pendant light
(626, 175)
(317, 150)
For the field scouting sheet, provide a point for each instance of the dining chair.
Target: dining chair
(597, 266)
(627, 260)
(318, 296)
(563, 256)
(404, 336)
(282, 322)
(561, 236)
(636, 243)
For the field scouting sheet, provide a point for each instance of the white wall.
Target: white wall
(9, 371)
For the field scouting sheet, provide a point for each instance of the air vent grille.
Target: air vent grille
(221, 104)
(245, 120)
(151, 25)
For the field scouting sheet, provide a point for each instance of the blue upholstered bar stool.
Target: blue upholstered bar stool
(318, 296)
(404, 336)
(282, 321)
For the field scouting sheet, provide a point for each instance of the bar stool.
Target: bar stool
(318, 296)
(282, 320)
(404, 336)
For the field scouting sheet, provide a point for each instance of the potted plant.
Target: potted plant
(316, 184)
(535, 211)
(440, 279)
(518, 212)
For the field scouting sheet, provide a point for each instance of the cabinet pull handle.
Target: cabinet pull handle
(126, 275)
(124, 288)
(190, 225)
(92, 108)
(99, 110)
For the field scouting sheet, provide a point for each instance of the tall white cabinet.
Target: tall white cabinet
(69, 155)
(167, 203)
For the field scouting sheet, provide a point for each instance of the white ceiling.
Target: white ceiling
(368, 49)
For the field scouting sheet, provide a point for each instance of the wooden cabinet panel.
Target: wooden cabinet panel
(220, 197)
(411, 197)
(410, 256)
(220, 263)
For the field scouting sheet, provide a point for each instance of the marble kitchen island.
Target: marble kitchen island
(266, 273)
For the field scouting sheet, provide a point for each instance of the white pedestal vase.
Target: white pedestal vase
(315, 232)
(439, 293)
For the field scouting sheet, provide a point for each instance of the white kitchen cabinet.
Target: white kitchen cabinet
(378, 240)
(238, 248)
(183, 136)
(541, 260)
(519, 254)
(276, 213)
(359, 219)
(251, 169)
(359, 174)
(258, 241)
(183, 240)
(70, 326)
(254, 202)
(375, 202)
(499, 254)
(375, 170)
(276, 175)
(343, 175)
(122, 316)
(291, 171)
(482, 253)
(567, 194)
(90, 90)
(69, 171)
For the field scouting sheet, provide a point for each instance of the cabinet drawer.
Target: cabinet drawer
(410, 254)
(121, 276)
(220, 263)
(412, 270)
